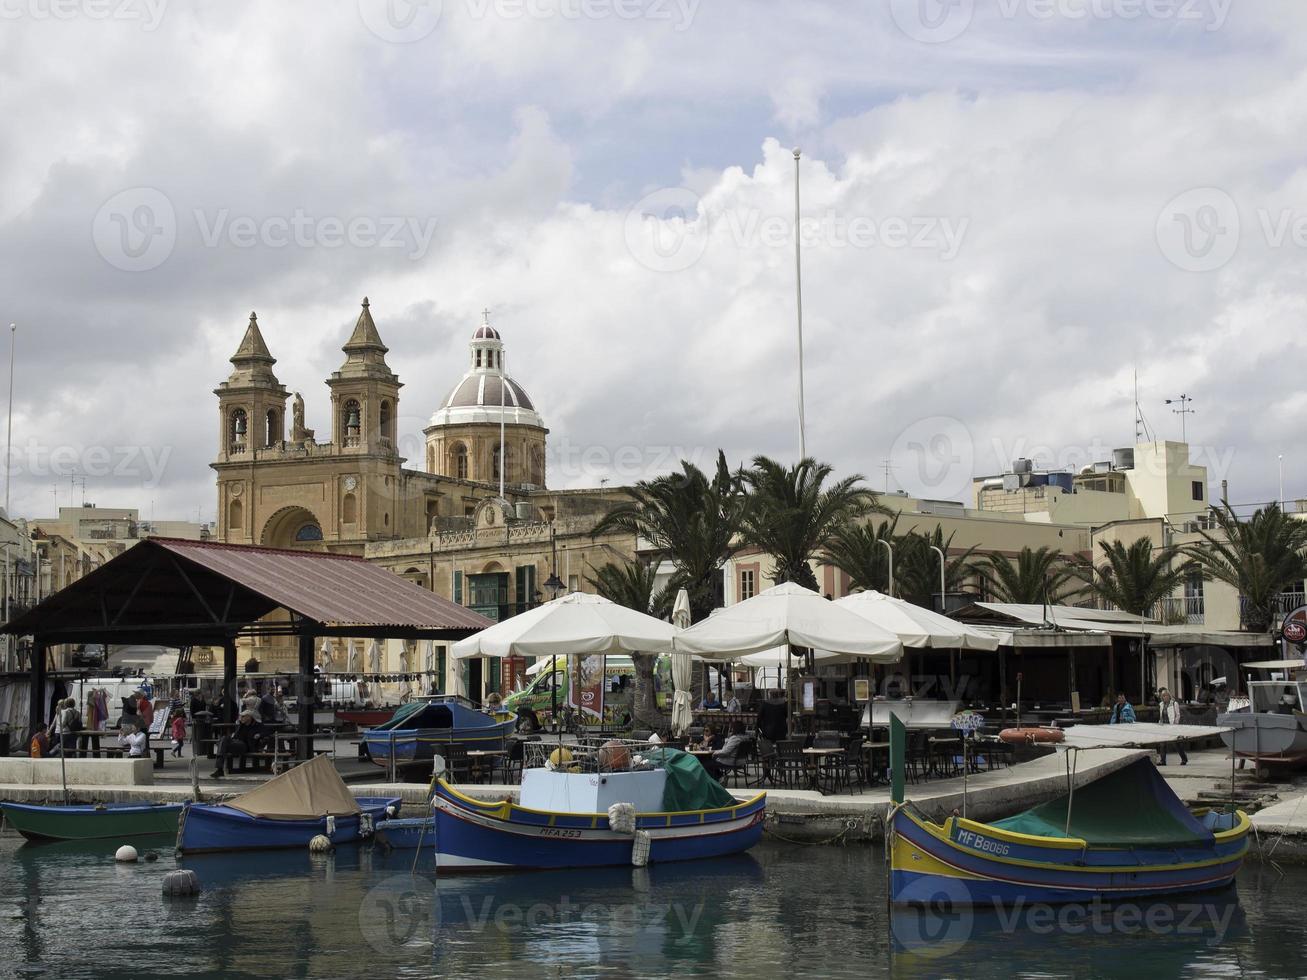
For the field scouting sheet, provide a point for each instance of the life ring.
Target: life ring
(1029, 736)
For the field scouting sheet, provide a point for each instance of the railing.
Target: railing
(1285, 603)
(1179, 610)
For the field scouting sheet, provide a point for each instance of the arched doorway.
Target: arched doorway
(292, 527)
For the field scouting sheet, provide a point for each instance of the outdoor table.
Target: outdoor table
(816, 757)
(871, 748)
(478, 757)
(942, 741)
(88, 740)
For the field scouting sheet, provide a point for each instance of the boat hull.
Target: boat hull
(407, 834)
(476, 836)
(92, 822)
(208, 827)
(414, 746)
(970, 864)
(1269, 738)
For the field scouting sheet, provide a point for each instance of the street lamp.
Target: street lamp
(942, 591)
(889, 548)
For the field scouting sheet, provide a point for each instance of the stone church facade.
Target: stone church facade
(446, 526)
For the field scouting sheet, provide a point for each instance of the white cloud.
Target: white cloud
(982, 240)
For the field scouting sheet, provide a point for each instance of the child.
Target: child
(178, 732)
(40, 746)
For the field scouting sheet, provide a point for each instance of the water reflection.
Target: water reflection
(69, 910)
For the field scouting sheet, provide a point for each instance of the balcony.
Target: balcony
(1188, 610)
(1285, 603)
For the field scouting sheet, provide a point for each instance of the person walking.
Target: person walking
(70, 723)
(1122, 712)
(1168, 713)
(178, 732)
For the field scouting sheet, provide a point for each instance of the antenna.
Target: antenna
(1184, 409)
(886, 464)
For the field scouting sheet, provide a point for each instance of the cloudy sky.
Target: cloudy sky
(1009, 208)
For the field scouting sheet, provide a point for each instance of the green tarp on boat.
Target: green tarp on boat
(688, 787)
(1132, 805)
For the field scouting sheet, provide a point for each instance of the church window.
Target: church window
(239, 430)
(387, 422)
(459, 454)
(478, 358)
(309, 532)
(349, 511)
(273, 435)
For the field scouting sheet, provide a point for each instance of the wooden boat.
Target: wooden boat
(1272, 730)
(1129, 836)
(92, 822)
(677, 813)
(406, 833)
(287, 811)
(419, 727)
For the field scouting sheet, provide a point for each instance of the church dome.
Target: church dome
(485, 392)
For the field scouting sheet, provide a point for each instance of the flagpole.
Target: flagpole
(798, 299)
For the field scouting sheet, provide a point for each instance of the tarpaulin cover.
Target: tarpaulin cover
(1132, 805)
(688, 787)
(311, 790)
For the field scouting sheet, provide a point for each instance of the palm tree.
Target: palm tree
(792, 514)
(632, 584)
(856, 550)
(1134, 577)
(1037, 576)
(1260, 557)
(917, 566)
(691, 520)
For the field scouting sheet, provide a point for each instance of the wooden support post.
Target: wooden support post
(39, 704)
(229, 680)
(305, 697)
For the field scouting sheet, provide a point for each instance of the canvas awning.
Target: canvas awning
(788, 614)
(1136, 735)
(917, 626)
(311, 790)
(574, 624)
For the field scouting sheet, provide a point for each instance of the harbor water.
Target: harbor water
(70, 911)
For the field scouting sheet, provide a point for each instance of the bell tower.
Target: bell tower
(364, 394)
(251, 422)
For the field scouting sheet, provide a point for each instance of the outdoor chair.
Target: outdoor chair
(792, 764)
(739, 766)
(458, 768)
(855, 763)
(766, 761)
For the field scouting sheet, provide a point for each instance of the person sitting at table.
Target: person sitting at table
(133, 741)
(710, 741)
(728, 756)
(244, 738)
(710, 701)
(732, 702)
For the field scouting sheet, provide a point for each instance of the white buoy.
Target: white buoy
(183, 882)
(320, 844)
(126, 853)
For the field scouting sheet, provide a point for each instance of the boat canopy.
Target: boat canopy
(313, 789)
(446, 713)
(688, 786)
(1132, 805)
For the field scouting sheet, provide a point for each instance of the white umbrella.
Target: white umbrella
(682, 669)
(405, 658)
(352, 657)
(915, 626)
(431, 656)
(328, 654)
(781, 656)
(574, 624)
(788, 614)
(374, 657)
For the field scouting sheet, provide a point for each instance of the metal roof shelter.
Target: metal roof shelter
(190, 593)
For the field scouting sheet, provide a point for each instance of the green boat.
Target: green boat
(95, 821)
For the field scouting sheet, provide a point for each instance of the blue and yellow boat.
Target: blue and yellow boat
(1128, 836)
(417, 728)
(675, 811)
